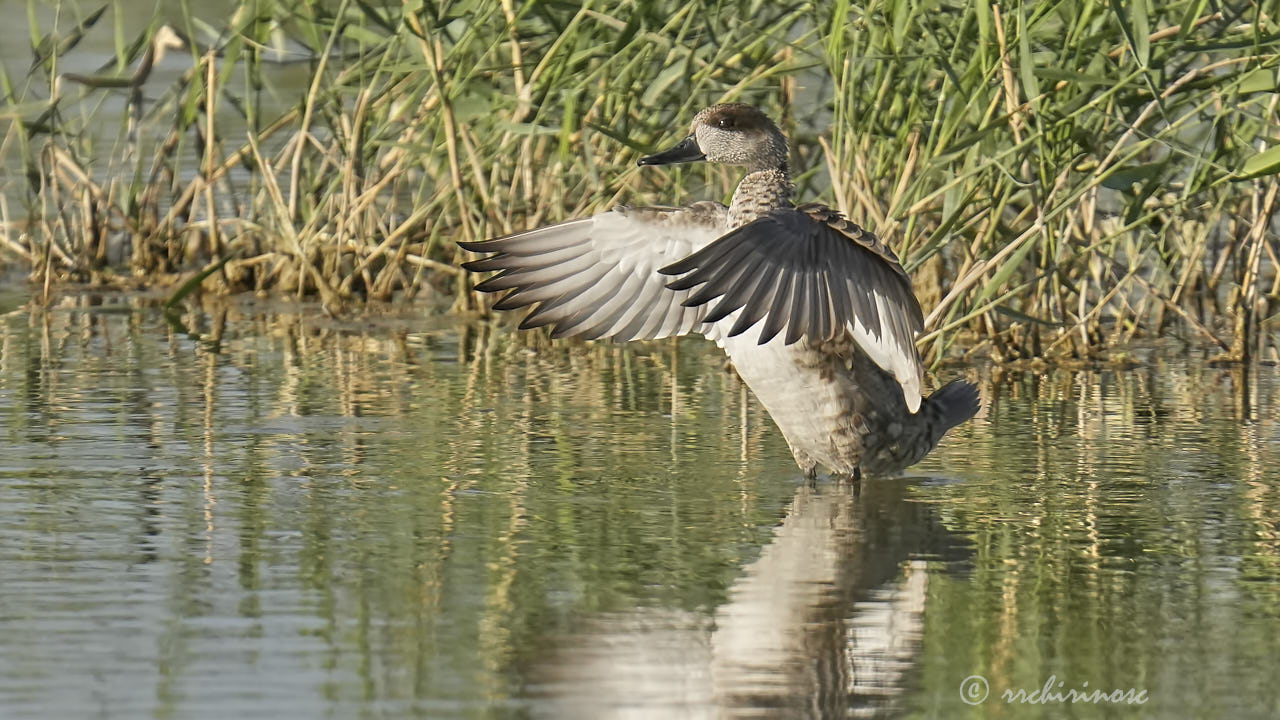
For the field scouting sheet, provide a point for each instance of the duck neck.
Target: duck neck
(760, 192)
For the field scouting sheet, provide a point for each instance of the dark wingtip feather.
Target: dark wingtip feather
(532, 322)
(738, 292)
(493, 262)
(708, 292)
(767, 333)
(757, 302)
(491, 284)
(686, 282)
(781, 308)
(801, 300)
(683, 265)
(510, 301)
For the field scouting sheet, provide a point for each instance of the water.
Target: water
(247, 511)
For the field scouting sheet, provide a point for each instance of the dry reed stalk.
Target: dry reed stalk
(956, 153)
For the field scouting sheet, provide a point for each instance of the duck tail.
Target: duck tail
(952, 404)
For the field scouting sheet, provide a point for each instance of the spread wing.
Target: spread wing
(598, 277)
(810, 272)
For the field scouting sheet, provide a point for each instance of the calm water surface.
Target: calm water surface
(250, 513)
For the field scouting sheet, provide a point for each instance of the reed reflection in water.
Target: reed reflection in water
(252, 511)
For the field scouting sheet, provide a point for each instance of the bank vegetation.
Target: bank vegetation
(1063, 179)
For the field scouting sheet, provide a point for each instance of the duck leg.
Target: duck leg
(811, 474)
(853, 479)
(807, 464)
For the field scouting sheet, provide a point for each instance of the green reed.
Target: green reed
(1061, 178)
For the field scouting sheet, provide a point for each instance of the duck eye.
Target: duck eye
(726, 123)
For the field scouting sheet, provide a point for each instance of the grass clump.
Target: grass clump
(1071, 175)
(1060, 178)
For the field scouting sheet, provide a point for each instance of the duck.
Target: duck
(816, 314)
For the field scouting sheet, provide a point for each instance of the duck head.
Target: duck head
(730, 134)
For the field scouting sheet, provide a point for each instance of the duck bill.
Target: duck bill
(685, 151)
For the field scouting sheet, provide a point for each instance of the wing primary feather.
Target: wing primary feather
(709, 256)
(867, 312)
(801, 297)
(689, 262)
(841, 305)
(779, 302)
(513, 304)
(493, 262)
(582, 309)
(723, 279)
(596, 277)
(554, 297)
(544, 314)
(536, 277)
(736, 295)
(514, 300)
(505, 261)
(535, 242)
(714, 278)
(757, 305)
(495, 283)
(607, 316)
(643, 305)
(821, 329)
(656, 318)
(680, 267)
(526, 294)
(851, 286)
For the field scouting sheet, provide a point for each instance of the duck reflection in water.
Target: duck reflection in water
(826, 623)
(815, 313)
